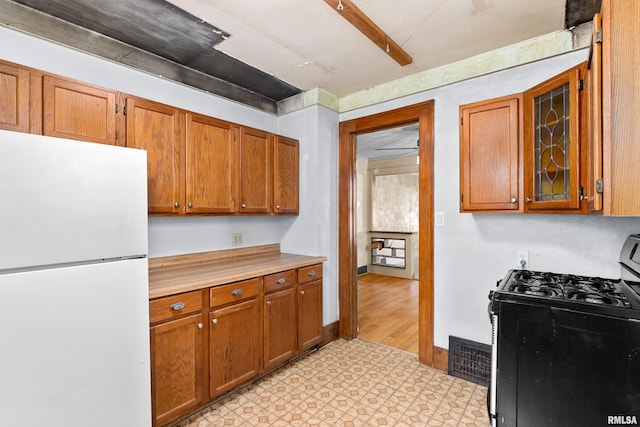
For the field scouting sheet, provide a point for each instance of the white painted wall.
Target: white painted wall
(311, 233)
(473, 251)
(314, 231)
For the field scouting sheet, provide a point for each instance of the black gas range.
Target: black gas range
(566, 348)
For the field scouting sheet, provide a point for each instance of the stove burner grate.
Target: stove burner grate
(536, 290)
(591, 290)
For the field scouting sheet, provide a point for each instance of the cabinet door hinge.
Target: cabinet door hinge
(124, 110)
(116, 108)
(580, 84)
(599, 35)
(462, 198)
(461, 121)
(600, 186)
(581, 192)
(116, 135)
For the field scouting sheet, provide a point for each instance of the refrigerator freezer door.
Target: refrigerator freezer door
(68, 201)
(75, 346)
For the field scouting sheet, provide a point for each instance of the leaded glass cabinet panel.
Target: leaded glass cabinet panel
(552, 143)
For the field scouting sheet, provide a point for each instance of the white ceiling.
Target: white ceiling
(391, 143)
(309, 45)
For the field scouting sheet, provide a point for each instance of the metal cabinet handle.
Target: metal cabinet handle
(301, 292)
(268, 302)
(243, 205)
(190, 205)
(281, 281)
(277, 206)
(177, 306)
(312, 273)
(200, 326)
(528, 200)
(236, 292)
(176, 204)
(514, 200)
(214, 321)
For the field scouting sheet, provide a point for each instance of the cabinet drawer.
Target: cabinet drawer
(277, 281)
(174, 306)
(238, 291)
(309, 274)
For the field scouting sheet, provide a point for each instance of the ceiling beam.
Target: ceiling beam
(366, 26)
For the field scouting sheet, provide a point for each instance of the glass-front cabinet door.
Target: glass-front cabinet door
(552, 142)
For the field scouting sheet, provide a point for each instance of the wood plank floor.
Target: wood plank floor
(388, 311)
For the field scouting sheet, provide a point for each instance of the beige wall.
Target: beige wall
(398, 193)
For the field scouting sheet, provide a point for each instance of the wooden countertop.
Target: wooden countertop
(183, 273)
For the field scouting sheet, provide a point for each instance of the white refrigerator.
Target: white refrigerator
(74, 313)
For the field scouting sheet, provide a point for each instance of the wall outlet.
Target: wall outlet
(523, 259)
(438, 219)
(236, 239)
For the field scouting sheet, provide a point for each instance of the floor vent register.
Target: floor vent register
(470, 360)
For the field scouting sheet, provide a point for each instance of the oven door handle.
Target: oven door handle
(491, 394)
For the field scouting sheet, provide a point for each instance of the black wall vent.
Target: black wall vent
(469, 360)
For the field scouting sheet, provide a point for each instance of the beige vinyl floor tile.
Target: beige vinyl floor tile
(350, 384)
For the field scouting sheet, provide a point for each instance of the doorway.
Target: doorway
(387, 229)
(347, 252)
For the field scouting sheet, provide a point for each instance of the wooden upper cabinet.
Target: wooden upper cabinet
(14, 98)
(159, 129)
(285, 175)
(255, 171)
(196, 164)
(489, 155)
(78, 111)
(593, 114)
(552, 143)
(620, 107)
(211, 165)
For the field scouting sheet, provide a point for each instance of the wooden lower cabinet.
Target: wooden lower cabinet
(254, 326)
(309, 309)
(234, 339)
(279, 327)
(176, 367)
